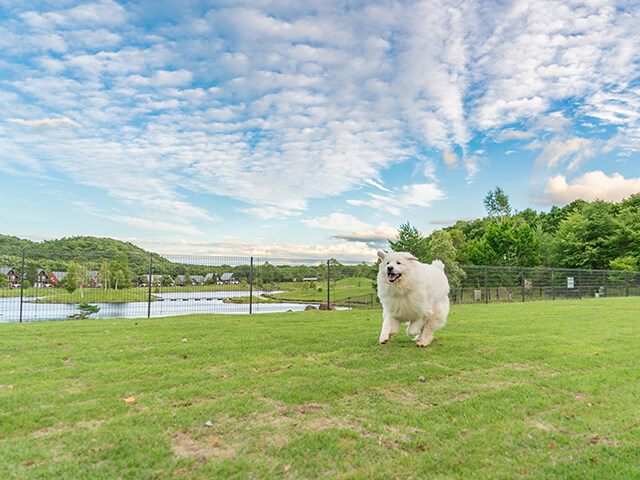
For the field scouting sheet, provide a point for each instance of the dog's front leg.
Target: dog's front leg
(389, 326)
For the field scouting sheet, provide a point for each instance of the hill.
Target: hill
(56, 255)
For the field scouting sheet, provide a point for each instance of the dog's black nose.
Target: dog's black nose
(389, 269)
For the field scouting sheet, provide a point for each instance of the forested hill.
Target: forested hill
(57, 254)
(72, 244)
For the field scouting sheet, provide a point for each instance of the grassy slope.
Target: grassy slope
(510, 391)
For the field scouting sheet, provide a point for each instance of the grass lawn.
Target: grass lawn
(536, 390)
(347, 287)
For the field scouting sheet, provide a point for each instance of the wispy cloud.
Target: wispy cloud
(277, 105)
(336, 221)
(572, 151)
(45, 122)
(409, 196)
(380, 234)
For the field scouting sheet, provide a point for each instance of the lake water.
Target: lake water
(168, 304)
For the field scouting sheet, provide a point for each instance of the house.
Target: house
(197, 279)
(93, 279)
(42, 279)
(156, 280)
(57, 277)
(229, 279)
(211, 278)
(187, 279)
(12, 276)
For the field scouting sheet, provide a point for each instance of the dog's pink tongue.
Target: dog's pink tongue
(393, 277)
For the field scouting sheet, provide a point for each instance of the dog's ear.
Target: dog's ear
(408, 256)
(381, 254)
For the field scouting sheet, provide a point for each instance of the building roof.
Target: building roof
(59, 275)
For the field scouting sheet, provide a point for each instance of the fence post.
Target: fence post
(604, 282)
(328, 285)
(486, 285)
(553, 285)
(21, 285)
(149, 279)
(251, 287)
(522, 278)
(626, 284)
(580, 284)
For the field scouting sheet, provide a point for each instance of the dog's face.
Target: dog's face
(395, 265)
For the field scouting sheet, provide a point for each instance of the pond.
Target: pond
(166, 304)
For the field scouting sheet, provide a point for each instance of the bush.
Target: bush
(85, 310)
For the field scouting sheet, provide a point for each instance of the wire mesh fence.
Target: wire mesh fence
(46, 285)
(509, 284)
(57, 285)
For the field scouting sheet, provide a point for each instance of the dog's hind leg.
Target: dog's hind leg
(426, 338)
(415, 328)
(390, 326)
(435, 321)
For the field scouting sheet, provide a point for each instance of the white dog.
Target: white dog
(412, 292)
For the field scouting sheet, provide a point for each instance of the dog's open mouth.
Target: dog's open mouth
(393, 277)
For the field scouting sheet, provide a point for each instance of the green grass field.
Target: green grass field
(536, 390)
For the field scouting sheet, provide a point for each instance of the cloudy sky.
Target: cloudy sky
(308, 129)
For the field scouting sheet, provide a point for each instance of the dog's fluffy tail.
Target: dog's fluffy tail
(438, 264)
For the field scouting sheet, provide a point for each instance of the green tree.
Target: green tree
(71, 279)
(441, 247)
(119, 272)
(461, 246)
(4, 280)
(504, 244)
(84, 310)
(104, 274)
(624, 263)
(589, 239)
(31, 274)
(410, 240)
(497, 204)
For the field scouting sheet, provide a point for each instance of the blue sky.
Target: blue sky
(307, 129)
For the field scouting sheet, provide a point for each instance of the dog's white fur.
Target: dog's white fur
(413, 292)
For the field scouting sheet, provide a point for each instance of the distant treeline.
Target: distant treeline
(585, 235)
(105, 254)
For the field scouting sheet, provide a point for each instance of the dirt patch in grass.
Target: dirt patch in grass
(92, 425)
(201, 449)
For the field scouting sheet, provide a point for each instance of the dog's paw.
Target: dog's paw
(384, 338)
(424, 342)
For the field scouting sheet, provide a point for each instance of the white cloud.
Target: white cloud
(472, 166)
(573, 150)
(318, 253)
(381, 233)
(45, 122)
(336, 221)
(590, 186)
(510, 134)
(450, 158)
(409, 196)
(269, 212)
